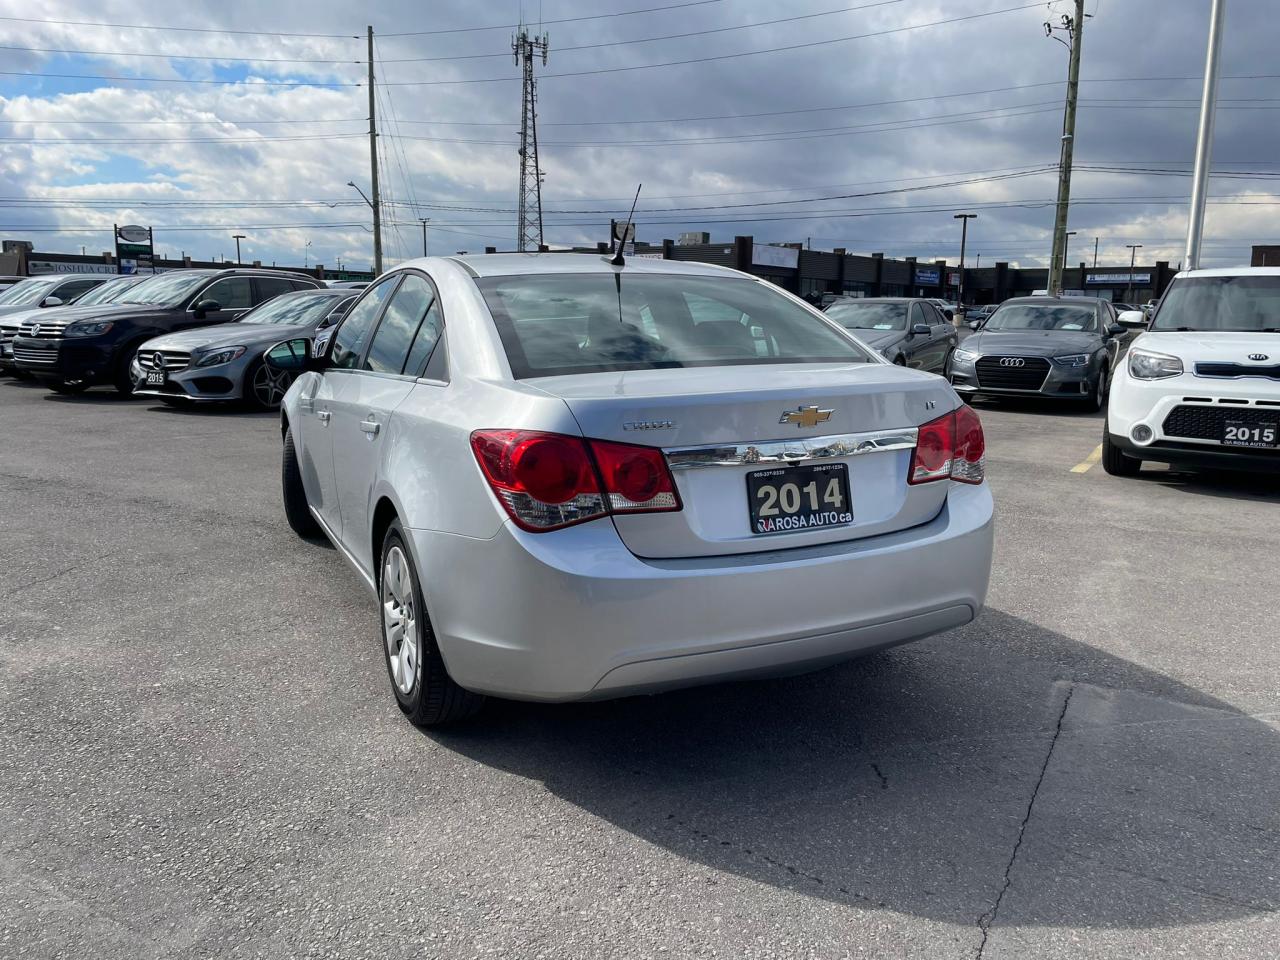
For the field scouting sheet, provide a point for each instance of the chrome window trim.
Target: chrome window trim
(798, 450)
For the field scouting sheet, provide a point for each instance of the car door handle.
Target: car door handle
(371, 427)
(324, 416)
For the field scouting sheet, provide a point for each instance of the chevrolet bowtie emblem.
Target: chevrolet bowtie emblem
(806, 416)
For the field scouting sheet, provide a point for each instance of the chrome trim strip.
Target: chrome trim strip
(792, 451)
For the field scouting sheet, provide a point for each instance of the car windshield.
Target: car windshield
(585, 323)
(105, 292)
(1043, 316)
(27, 291)
(165, 288)
(293, 309)
(1249, 304)
(869, 316)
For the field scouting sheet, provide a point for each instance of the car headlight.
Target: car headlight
(1145, 365)
(87, 328)
(1073, 360)
(964, 356)
(220, 355)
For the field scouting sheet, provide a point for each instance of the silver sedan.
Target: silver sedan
(224, 361)
(568, 479)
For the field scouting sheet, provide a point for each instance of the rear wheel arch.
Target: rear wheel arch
(384, 513)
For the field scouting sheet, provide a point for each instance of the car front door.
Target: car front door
(233, 295)
(364, 406)
(317, 403)
(941, 342)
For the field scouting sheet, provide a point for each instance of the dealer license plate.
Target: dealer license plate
(155, 378)
(1238, 434)
(789, 499)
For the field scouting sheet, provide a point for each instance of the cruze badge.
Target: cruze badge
(1012, 362)
(806, 416)
(649, 425)
(158, 360)
(1259, 357)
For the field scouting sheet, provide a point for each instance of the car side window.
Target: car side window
(269, 287)
(395, 334)
(424, 342)
(918, 315)
(231, 293)
(349, 341)
(75, 288)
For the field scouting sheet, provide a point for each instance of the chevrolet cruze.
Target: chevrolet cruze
(565, 478)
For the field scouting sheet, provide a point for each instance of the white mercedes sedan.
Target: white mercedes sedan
(567, 479)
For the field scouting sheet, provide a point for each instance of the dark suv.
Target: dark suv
(74, 349)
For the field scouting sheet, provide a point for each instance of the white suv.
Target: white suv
(1201, 388)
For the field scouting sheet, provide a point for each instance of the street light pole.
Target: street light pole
(425, 221)
(238, 237)
(1204, 138)
(1133, 254)
(377, 225)
(964, 219)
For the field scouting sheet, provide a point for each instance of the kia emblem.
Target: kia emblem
(1260, 357)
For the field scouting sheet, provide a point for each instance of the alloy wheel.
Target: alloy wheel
(399, 620)
(269, 386)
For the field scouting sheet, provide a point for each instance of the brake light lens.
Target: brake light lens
(546, 481)
(951, 447)
(636, 479)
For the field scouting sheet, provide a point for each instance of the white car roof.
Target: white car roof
(1234, 272)
(512, 264)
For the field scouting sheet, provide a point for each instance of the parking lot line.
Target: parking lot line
(1089, 461)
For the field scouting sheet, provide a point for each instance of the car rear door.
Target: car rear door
(367, 398)
(234, 296)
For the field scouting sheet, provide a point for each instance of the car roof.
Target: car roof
(1233, 272)
(1073, 301)
(879, 299)
(514, 264)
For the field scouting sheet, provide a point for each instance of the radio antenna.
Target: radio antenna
(618, 259)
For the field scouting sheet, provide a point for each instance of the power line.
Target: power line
(729, 56)
(147, 26)
(513, 26)
(669, 36)
(225, 83)
(169, 56)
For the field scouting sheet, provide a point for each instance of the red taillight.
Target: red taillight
(635, 478)
(546, 480)
(951, 447)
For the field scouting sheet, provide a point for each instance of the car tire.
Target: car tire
(1097, 398)
(267, 395)
(122, 378)
(423, 689)
(296, 509)
(1114, 460)
(68, 388)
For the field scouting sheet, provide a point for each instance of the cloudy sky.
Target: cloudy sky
(871, 125)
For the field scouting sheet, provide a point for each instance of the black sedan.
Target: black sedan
(1063, 348)
(906, 331)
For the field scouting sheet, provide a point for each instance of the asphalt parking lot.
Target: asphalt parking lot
(200, 756)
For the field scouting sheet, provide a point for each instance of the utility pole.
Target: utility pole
(376, 203)
(237, 237)
(1133, 255)
(1204, 137)
(1095, 253)
(1066, 240)
(529, 221)
(425, 221)
(1074, 27)
(964, 219)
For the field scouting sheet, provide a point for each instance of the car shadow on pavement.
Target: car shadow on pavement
(1263, 487)
(231, 409)
(1039, 407)
(1000, 774)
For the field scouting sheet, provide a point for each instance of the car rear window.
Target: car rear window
(553, 324)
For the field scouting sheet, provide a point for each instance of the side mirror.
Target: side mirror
(206, 307)
(51, 301)
(1117, 330)
(1133, 318)
(921, 329)
(291, 356)
(975, 324)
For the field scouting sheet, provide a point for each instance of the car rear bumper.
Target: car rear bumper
(574, 615)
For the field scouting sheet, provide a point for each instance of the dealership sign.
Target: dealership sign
(1126, 278)
(765, 255)
(928, 277)
(134, 248)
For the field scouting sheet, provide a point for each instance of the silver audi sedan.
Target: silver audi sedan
(224, 361)
(566, 479)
